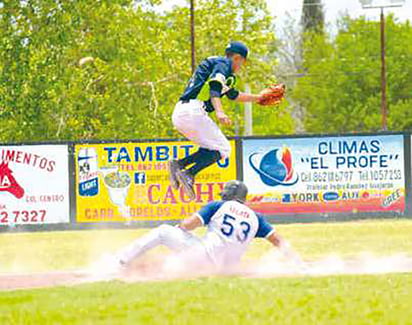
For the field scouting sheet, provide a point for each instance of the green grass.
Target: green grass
(328, 300)
(363, 299)
(60, 250)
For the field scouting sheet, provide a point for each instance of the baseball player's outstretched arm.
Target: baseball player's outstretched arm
(284, 247)
(244, 97)
(191, 223)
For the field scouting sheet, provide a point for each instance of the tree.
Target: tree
(341, 88)
(289, 52)
(114, 69)
(313, 18)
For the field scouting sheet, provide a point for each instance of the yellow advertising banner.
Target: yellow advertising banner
(119, 182)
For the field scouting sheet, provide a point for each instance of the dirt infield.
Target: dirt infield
(142, 271)
(42, 280)
(268, 267)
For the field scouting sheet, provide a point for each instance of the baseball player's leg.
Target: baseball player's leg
(173, 237)
(193, 122)
(207, 158)
(200, 159)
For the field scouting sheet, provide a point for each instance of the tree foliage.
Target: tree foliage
(78, 70)
(341, 86)
(115, 68)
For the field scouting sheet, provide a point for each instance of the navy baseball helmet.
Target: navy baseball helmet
(237, 47)
(234, 190)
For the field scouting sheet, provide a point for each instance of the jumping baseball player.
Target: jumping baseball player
(213, 79)
(231, 226)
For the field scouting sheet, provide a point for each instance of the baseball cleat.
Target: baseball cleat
(173, 170)
(187, 182)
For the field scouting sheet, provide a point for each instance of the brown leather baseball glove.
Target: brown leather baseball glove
(272, 95)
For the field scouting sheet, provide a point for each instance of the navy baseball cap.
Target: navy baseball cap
(237, 47)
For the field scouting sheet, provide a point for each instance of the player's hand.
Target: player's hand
(223, 118)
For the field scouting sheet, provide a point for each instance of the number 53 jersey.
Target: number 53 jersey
(231, 226)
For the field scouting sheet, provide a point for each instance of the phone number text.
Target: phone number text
(31, 216)
(348, 176)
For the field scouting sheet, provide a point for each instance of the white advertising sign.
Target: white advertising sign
(34, 184)
(325, 174)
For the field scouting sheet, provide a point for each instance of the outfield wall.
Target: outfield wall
(74, 185)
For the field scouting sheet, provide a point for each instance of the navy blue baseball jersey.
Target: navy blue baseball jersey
(213, 69)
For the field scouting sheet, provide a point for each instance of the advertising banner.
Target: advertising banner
(325, 174)
(122, 182)
(34, 184)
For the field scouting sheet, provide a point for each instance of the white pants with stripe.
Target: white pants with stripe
(193, 122)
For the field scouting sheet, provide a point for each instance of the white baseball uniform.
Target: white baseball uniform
(193, 122)
(231, 226)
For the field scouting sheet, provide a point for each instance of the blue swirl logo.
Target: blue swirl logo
(272, 170)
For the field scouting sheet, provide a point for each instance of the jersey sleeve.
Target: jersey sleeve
(232, 93)
(207, 212)
(265, 228)
(215, 88)
(219, 73)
